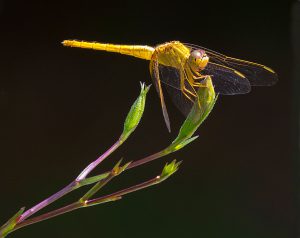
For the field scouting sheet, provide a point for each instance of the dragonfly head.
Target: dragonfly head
(198, 60)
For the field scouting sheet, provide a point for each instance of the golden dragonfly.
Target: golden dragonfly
(181, 67)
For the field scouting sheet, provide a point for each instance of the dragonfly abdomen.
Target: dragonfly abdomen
(139, 51)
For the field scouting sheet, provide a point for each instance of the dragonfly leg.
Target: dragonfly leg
(189, 92)
(186, 92)
(190, 81)
(187, 96)
(194, 95)
(199, 84)
(192, 77)
(198, 76)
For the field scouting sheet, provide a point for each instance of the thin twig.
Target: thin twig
(120, 193)
(57, 212)
(91, 192)
(76, 205)
(74, 185)
(48, 201)
(95, 163)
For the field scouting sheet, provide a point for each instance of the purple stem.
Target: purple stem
(76, 205)
(124, 191)
(47, 201)
(146, 159)
(22, 222)
(74, 184)
(57, 212)
(71, 186)
(95, 163)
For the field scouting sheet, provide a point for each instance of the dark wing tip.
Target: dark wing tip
(265, 77)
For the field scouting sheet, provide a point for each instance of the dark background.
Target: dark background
(61, 108)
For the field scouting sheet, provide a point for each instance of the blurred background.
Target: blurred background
(62, 107)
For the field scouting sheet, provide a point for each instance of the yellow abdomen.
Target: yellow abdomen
(139, 51)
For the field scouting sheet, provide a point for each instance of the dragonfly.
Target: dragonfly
(182, 68)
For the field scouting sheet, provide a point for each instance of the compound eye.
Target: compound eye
(198, 60)
(197, 54)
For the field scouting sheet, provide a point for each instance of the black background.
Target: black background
(62, 107)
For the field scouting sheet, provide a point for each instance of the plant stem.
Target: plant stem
(120, 193)
(57, 212)
(47, 201)
(76, 184)
(97, 187)
(76, 205)
(95, 163)
(69, 188)
(147, 159)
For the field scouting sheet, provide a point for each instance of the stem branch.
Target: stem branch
(95, 163)
(80, 204)
(57, 212)
(74, 185)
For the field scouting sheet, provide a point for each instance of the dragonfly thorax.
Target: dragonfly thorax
(198, 60)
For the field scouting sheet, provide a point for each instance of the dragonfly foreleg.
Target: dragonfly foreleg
(199, 84)
(186, 92)
(197, 76)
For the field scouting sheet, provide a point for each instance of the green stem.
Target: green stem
(96, 188)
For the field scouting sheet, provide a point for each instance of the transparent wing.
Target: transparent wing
(257, 74)
(170, 77)
(227, 81)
